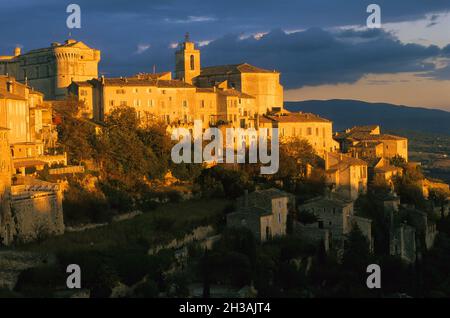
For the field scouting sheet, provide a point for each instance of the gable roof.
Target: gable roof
(232, 69)
(233, 92)
(7, 95)
(145, 82)
(325, 202)
(293, 117)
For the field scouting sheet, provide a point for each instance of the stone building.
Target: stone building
(235, 96)
(368, 142)
(51, 70)
(29, 207)
(263, 84)
(28, 118)
(229, 93)
(381, 168)
(331, 213)
(402, 243)
(6, 169)
(263, 212)
(316, 130)
(347, 175)
(336, 215)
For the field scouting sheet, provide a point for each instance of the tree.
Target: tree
(219, 181)
(440, 197)
(123, 153)
(295, 155)
(356, 251)
(76, 135)
(398, 161)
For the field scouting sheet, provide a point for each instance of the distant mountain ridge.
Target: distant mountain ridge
(349, 113)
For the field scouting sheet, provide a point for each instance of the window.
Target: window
(83, 92)
(279, 218)
(309, 131)
(135, 90)
(149, 90)
(111, 103)
(202, 103)
(317, 131)
(185, 103)
(120, 91)
(192, 61)
(150, 103)
(137, 103)
(123, 103)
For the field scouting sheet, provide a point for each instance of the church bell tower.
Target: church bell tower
(187, 61)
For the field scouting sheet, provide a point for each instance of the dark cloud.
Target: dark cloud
(123, 28)
(316, 56)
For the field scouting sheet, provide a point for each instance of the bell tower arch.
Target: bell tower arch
(187, 61)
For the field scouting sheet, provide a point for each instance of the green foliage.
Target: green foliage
(408, 186)
(295, 155)
(118, 197)
(147, 289)
(81, 206)
(219, 182)
(356, 251)
(398, 161)
(311, 186)
(40, 281)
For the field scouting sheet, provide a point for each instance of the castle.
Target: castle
(50, 70)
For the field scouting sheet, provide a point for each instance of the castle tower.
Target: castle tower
(51, 70)
(187, 61)
(7, 229)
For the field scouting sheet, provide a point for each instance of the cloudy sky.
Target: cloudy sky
(321, 47)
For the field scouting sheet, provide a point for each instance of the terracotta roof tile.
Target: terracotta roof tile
(294, 117)
(232, 69)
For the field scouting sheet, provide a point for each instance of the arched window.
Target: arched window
(192, 62)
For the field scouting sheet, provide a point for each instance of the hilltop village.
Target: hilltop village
(78, 149)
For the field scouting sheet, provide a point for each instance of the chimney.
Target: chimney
(17, 51)
(103, 79)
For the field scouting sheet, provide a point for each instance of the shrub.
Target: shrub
(147, 289)
(40, 281)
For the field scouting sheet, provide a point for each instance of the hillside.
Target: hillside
(349, 113)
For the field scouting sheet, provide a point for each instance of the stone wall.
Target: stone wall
(403, 243)
(37, 212)
(313, 234)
